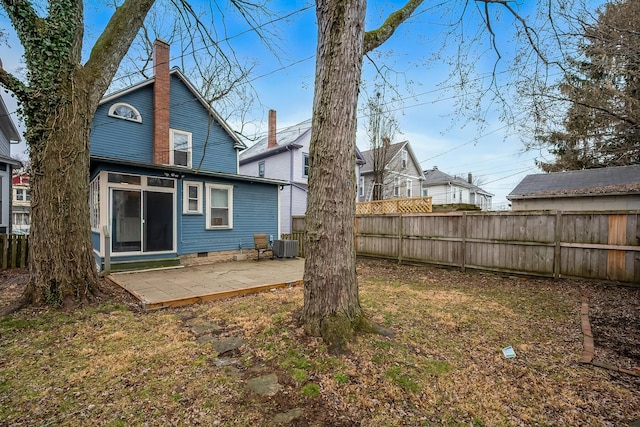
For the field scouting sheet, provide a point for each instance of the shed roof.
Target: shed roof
(611, 180)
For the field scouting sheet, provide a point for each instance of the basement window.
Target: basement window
(124, 111)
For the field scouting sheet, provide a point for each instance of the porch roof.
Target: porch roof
(169, 169)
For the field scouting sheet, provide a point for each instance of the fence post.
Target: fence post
(5, 251)
(400, 235)
(556, 251)
(464, 240)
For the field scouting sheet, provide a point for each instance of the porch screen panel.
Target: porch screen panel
(126, 223)
(158, 221)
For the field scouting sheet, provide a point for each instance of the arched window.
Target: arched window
(125, 111)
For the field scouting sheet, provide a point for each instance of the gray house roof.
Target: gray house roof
(291, 137)
(612, 180)
(392, 151)
(436, 177)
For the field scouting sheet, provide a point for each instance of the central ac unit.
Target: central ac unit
(285, 248)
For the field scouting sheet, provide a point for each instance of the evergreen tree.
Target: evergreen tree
(601, 124)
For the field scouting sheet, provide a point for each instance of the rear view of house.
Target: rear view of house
(400, 173)
(284, 155)
(164, 184)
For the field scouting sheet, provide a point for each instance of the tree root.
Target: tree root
(338, 331)
(16, 306)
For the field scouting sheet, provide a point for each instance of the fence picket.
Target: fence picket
(14, 251)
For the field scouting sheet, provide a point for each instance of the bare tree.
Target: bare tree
(381, 128)
(331, 302)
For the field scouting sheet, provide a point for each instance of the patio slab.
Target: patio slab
(190, 285)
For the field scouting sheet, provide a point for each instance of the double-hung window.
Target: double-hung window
(361, 189)
(396, 186)
(23, 195)
(261, 169)
(305, 165)
(192, 197)
(219, 206)
(180, 148)
(409, 188)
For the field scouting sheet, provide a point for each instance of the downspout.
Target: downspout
(290, 188)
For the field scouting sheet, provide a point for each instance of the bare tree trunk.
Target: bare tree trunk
(331, 302)
(61, 259)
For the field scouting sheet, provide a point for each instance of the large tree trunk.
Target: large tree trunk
(61, 259)
(331, 303)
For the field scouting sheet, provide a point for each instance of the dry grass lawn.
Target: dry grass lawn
(116, 366)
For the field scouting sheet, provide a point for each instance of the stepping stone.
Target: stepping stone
(225, 361)
(201, 327)
(266, 385)
(288, 417)
(223, 345)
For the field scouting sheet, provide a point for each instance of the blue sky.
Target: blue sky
(440, 133)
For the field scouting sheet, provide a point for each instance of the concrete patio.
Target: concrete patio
(189, 285)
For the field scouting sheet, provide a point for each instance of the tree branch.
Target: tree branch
(374, 38)
(113, 44)
(11, 83)
(25, 21)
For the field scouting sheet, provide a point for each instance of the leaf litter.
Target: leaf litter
(111, 364)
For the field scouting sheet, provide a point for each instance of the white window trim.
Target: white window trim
(124, 104)
(185, 197)
(305, 156)
(404, 158)
(396, 186)
(409, 188)
(189, 148)
(361, 186)
(262, 165)
(229, 189)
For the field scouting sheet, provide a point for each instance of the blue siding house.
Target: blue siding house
(165, 187)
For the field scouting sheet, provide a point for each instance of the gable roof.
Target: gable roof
(237, 143)
(618, 179)
(436, 177)
(392, 152)
(291, 137)
(296, 136)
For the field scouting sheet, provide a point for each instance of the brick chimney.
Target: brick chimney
(271, 137)
(161, 102)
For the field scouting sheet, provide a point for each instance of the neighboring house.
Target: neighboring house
(603, 189)
(445, 189)
(402, 177)
(21, 203)
(164, 187)
(8, 135)
(284, 155)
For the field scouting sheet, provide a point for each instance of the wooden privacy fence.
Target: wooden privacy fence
(407, 205)
(593, 245)
(14, 251)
